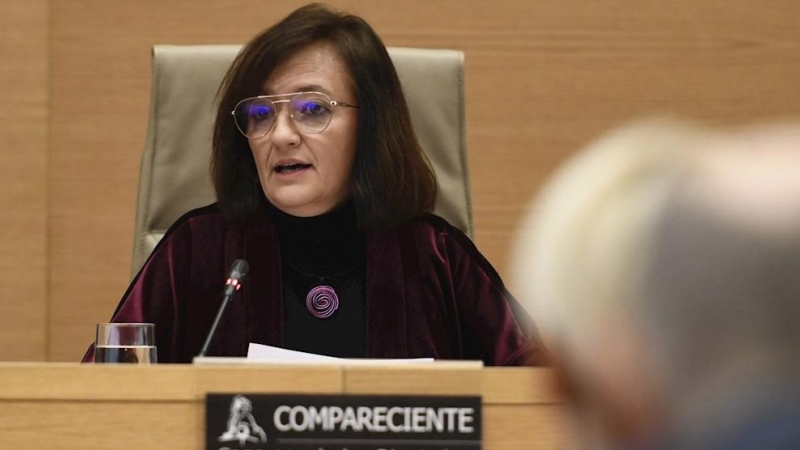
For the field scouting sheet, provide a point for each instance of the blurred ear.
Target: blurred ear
(609, 390)
(626, 387)
(566, 383)
(585, 429)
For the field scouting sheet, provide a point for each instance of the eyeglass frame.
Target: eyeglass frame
(291, 96)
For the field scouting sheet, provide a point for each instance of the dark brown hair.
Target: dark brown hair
(392, 179)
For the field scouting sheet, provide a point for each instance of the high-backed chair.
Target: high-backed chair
(175, 177)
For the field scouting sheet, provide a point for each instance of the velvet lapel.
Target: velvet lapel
(263, 292)
(386, 305)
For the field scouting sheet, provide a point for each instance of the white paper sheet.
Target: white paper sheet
(267, 353)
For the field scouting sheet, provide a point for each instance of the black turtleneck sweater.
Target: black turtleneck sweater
(326, 250)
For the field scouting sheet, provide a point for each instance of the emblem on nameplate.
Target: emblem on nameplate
(242, 426)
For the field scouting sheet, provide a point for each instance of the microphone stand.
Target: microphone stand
(225, 301)
(237, 273)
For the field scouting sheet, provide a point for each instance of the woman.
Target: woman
(323, 188)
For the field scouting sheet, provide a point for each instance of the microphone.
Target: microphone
(232, 284)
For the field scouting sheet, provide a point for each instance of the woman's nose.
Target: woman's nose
(285, 132)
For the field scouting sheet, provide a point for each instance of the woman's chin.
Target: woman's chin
(306, 202)
(300, 208)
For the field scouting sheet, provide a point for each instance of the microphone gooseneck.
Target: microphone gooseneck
(232, 284)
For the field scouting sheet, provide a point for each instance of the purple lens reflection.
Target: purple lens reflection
(260, 112)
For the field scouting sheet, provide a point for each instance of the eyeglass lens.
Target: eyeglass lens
(311, 113)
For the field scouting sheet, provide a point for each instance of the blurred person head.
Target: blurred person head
(319, 117)
(663, 263)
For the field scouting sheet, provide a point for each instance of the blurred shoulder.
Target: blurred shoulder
(206, 214)
(206, 219)
(429, 222)
(438, 230)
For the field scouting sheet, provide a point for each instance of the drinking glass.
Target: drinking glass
(132, 343)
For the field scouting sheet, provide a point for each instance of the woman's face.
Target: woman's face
(306, 174)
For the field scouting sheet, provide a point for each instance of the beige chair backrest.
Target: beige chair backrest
(175, 174)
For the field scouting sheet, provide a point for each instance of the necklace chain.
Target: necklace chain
(321, 278)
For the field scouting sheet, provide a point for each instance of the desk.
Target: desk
(73, 406)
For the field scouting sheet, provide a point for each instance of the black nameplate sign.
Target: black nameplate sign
(342, 422)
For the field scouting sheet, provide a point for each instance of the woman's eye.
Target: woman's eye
(312, 109)
(260, 112)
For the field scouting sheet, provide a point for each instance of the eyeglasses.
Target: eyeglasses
(311, 112)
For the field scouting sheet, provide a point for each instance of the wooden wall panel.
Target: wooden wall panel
(543, 78)
(23, 158)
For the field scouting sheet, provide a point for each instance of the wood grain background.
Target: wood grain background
(23, 183)
(542, 79)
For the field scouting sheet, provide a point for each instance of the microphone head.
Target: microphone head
(239, 269)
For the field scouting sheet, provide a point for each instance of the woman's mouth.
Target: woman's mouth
(291, 168)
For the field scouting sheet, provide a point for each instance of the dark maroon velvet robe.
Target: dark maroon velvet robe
(429, 293)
